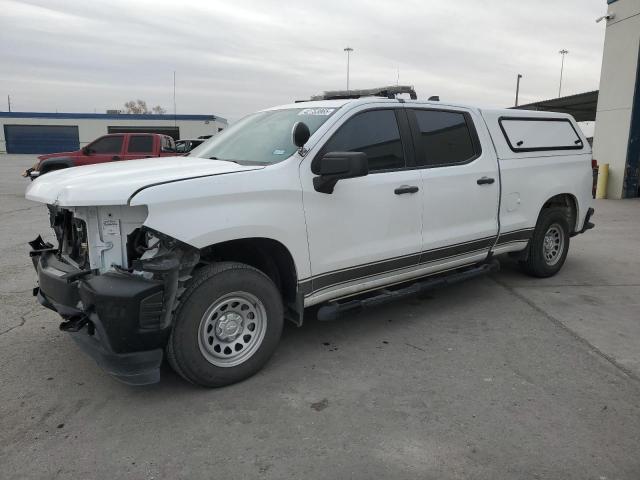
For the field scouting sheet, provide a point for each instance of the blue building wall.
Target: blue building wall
(631, 183)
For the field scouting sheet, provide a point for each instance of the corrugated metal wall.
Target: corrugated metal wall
(41, 138)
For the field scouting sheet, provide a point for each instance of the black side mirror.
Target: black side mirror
(335, 166)
(86, 150)
(300, 134)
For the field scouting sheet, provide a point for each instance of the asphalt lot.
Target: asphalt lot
(500, 377)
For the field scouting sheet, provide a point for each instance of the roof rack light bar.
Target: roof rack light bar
(387, 92)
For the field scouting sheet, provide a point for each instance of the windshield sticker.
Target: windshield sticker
(317, 111)
(278, 152)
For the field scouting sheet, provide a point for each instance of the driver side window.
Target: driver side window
(375, 133)
(107, 145)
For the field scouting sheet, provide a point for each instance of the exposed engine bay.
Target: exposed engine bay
(96, 238)
(111, 243)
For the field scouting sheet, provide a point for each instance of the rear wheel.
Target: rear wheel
(549, 244)
(227, 326)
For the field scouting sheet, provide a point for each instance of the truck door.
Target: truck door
(369, 227)
(104, 149)
(461, 186)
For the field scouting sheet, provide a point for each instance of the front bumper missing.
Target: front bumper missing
(118, 318)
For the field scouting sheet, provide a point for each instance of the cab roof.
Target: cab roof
(388, 94)
(352, 102)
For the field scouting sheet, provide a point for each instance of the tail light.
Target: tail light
(594, 163)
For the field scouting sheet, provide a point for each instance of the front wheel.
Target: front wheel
(227, 326)
(549, 244)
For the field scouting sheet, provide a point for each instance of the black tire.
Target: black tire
(543, 262)
(187, 350)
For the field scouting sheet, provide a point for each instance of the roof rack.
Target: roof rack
(386, 92)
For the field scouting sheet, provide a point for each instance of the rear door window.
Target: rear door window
(140, 144)
(525, 134)
(444, 138)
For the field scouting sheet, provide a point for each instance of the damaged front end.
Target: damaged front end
(115, 283)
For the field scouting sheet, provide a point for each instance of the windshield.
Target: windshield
(262, 138)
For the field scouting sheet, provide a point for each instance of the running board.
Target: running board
(334, 309)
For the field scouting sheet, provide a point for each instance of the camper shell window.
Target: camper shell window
(535, 134)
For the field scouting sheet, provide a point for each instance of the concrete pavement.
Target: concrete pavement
(500, 377)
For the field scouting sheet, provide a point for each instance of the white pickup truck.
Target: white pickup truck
(343, 202)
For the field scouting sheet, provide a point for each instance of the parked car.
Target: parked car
(341, 203)
(108, 148)
(186, 145)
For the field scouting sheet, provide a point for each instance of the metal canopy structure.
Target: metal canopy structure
(582, 106)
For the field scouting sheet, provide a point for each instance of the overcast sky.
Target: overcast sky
(234, 57)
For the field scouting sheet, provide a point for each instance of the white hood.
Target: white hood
(114, 183)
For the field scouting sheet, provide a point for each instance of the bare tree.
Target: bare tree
(140, 107)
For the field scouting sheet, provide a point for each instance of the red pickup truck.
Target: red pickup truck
(109, 148)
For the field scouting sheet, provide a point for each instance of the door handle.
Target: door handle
(402, 189)
(115, 157)
(485, 181)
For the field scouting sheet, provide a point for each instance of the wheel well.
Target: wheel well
(566, 201)
(270, 257)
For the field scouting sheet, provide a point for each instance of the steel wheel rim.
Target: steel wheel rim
(553, 244)
(232, 329)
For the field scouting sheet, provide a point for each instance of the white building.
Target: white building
(29, 132)
(617, 132)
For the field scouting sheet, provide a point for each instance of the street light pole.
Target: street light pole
(348, 50)
(518, 88)
(562, 52)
